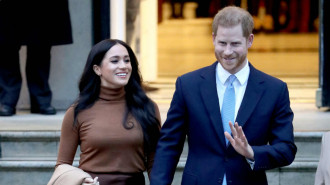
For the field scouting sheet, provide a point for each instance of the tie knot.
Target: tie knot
(231, 79)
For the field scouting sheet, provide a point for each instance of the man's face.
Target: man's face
(231, 47)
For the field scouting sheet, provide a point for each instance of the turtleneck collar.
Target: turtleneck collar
(110, 94)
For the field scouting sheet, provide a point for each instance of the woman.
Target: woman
(113, 121)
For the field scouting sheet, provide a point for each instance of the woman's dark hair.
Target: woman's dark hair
(138, 104)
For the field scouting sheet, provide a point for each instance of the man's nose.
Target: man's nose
(228, 50)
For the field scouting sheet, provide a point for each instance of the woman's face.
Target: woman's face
(115, 68)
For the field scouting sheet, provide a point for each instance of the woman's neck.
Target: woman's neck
(110, 94)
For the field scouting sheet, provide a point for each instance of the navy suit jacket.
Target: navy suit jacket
(265, 116)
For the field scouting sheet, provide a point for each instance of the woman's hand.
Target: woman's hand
(90, 181)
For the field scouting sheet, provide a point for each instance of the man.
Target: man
(262, 136)
(39, 25)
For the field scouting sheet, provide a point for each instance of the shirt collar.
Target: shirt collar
(242, 75)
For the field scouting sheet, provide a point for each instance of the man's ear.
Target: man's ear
(97, 70)
(250, 40)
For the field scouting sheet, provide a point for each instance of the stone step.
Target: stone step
(185, 28)
(39, 172)
(273, 63)
(187, 45)
(171, 33)
(32, 155)
(32, 144)
(26, 172)
(29, 144)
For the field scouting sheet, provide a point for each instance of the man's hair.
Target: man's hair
(232, 16)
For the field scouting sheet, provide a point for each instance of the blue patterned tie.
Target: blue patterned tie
(228, 105)
(228, 110)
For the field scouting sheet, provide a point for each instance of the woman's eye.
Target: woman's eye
(127, 61)
(114, 61)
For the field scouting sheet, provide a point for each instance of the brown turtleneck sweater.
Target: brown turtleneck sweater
(106, 146)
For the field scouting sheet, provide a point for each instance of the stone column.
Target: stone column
(118, 19)
(323, 93)
(148, 40)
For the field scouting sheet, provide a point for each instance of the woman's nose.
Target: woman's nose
(122, 64)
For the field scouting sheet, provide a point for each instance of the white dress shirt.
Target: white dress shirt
(239, 84)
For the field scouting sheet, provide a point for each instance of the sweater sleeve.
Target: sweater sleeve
(152, 154)
(69, 139)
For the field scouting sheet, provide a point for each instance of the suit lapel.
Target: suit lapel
(211, 101)
(253, 93)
